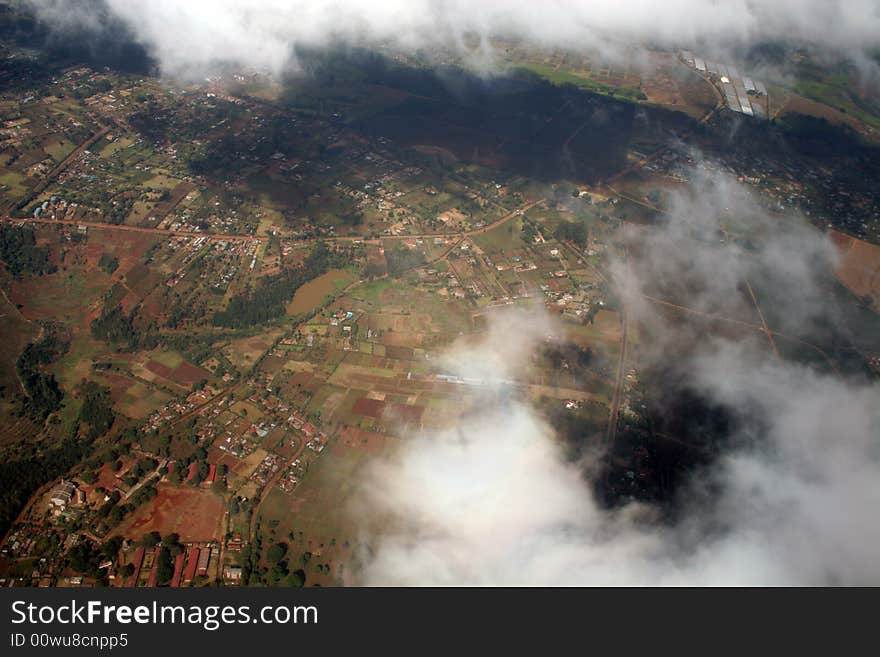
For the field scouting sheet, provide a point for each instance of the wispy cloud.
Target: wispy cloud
(493, 501)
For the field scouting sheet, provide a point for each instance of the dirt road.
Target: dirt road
(250, 238)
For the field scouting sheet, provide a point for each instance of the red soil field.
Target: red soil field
(193, 513)
(159, 368)
(187, 373)
(184, 374)
(368, 407)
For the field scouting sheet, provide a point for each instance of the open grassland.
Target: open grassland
(325, 513)
(836, 91)
(314, 293)
(245, 352)
(565, 76)
(70, 295)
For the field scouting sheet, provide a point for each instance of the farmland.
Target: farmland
(225, 301)
(859, 269)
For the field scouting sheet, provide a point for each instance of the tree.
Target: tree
(279, 571)
(108, 263)
(276, 552)
(296, 579)
(19, 252)
(113, 326)
(572, 232)
(151, 540)
(97, 409)
(111, 547)
(269, 298)
(174, 475)
(164, 565)
(117, 513)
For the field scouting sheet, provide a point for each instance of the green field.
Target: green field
(507, 237)
(560, 76)
(836, 91)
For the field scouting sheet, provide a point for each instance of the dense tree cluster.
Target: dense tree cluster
(85, 557)
(97, 409)
(268, 300)
(572, 231)
(19, 250)
(400, 259)
(164, 565)
(21, 478)
(143, 495)
(112, 499)
(42, 393)
(115, 326)
(114, 512)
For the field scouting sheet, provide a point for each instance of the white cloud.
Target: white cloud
(492, 501)
(261, 33)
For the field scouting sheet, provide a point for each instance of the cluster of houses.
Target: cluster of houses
(60, 209)
(176, 408)
(270, 464)
(229, 256)
(291, 477)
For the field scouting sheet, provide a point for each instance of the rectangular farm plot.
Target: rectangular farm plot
(859, 267)
(351, 375)
(368, 407)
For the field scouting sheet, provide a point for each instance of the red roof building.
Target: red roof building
(193, 470)
(191, 565)
(204, 560)
(212, 473)
(178, 569)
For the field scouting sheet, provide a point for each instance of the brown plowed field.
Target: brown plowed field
(859, 267)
